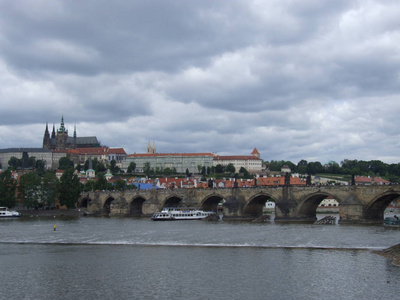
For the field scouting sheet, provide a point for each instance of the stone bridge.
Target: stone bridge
(357, 204)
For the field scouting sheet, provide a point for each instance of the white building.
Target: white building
(161, 161)
(252, 163)
(39, 153)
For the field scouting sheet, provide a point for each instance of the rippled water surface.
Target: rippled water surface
(105, 258)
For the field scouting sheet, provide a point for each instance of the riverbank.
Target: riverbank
(392, 253)
(50, 213)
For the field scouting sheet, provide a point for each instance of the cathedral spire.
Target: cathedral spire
(53, 134)
(62, 128)
(46, 137)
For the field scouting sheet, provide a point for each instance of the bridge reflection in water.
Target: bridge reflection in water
(357, 204)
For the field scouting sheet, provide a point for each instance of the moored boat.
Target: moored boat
(177, 213)
(392, 222)
(5, 213)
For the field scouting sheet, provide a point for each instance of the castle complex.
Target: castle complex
(59, 144)
(61, 141)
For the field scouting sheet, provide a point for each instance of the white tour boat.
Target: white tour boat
(177, 213)
(5, 213)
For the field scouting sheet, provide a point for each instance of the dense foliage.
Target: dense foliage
(69, 188)
(7, 189)
(351, 167)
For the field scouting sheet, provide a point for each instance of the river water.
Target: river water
(112, 258)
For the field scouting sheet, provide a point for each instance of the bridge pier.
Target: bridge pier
(287, 209)
(233, 206)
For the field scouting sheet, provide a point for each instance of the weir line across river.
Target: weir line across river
(357, 204)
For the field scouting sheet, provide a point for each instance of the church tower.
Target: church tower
(151, 149)
(74, 139)
(46, 138)
(53, 134)
(62, 135)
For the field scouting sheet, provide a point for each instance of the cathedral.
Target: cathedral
(61, 141)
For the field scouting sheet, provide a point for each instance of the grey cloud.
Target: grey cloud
(311, 79)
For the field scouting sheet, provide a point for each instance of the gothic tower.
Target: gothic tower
(62, 135)
(74, 139)
(46, 138)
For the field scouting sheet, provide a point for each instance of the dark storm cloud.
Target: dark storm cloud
(308, 79)
(97, 36)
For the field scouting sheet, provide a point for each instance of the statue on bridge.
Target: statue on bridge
(308, 180)
(287, 179)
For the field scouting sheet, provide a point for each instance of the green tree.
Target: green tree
(120, 184)
(100, 167)
(69, 188)
(314, 167)
(302, 166)
(32, 162)
(147, 169)
(230, 168)
(113, 167)
(203, 171)
(89, 185)
(14, 163)
(101, 183)
(29, 189)
(49, 188)
(167, 171)
(7, 189)
(245, 173)
(131, 167)
(219, 168)
(332, 167)
(40, 167)
(65, 163)
(208, 170)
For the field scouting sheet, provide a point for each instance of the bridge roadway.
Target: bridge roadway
(357, 204)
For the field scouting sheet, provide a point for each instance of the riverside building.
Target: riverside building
(191, 161)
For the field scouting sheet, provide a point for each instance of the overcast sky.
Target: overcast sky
(314, 79)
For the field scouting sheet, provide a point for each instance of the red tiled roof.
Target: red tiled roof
(170, 154)
(364, 179)
(255, 151)
(117, 151)
(236, 157)
(93, 150)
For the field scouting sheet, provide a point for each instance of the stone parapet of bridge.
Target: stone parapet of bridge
(357, 204)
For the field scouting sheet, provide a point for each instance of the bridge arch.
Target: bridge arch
(172, 201)
(210, 203)
(84, 201)
(254, 207)
(136, 206)
(307, 207)
(107, 206)
(375, 210)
